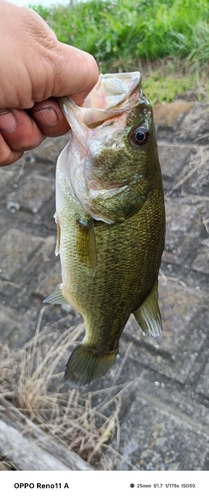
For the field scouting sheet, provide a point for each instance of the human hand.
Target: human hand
(35, 69)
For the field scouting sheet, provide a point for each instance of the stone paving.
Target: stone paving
(164, 415)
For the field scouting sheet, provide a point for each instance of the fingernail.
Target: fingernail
(46, 116)
(8, 122)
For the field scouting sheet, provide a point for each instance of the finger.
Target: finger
(76, 73)
(7, 155)
(49, 118)
(19, 130)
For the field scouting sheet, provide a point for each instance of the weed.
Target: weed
(123, 33)
(150, 29)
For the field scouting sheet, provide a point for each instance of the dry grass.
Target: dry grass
(5, 465)
(32, 379)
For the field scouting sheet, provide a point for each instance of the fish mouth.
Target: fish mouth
(113, 95)
(112, 90)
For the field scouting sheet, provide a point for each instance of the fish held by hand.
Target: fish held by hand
(110, 220)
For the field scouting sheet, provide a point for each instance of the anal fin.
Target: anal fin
(56, 297)
(148, 314)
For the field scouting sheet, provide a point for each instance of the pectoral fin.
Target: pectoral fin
(148, 314)
(86, 244)
(56, 297)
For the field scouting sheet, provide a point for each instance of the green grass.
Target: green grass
(124, 34)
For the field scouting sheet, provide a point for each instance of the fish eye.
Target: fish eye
(139, 136)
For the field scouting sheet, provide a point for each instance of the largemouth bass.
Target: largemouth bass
(110, 220)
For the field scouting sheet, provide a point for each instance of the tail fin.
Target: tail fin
(86, 364)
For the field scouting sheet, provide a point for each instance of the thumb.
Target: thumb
(75, 72)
